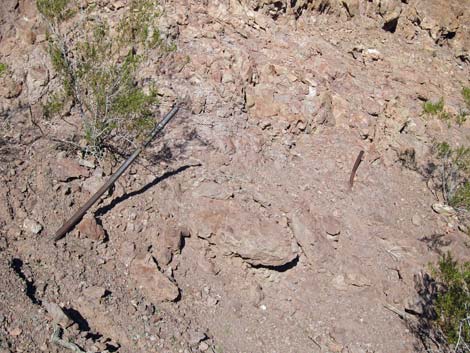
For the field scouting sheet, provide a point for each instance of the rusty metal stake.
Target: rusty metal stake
(354, 170)
(81, 212)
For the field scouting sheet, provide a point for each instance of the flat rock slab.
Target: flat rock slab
(213, 190)
(260, 241)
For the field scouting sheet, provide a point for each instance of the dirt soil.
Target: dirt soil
(237, 230)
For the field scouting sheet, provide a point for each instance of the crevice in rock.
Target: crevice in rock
(274, 10)
(281, 268)
(324, 7)
(17, 266)
(279, 8)
(464, 58)
(304, 6)
(448, 35)
(347, 8)
(391, 26)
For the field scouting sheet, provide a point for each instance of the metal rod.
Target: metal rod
(77, 216)
(354, 170)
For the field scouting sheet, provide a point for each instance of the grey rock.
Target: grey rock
(213, 190)
(94, 292)
(58, 315)
(444, 209)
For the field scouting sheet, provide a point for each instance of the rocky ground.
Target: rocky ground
(237, 231)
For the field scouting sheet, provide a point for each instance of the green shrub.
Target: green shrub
(453, 173)
(3, 69)
(466, 96)
(98, 68)
(452, 304)
(53, 106)
(437, 109)
(461, 197)
(55, 10)
(433, 108)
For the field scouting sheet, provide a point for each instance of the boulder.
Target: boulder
(243, 232)
(258, 242)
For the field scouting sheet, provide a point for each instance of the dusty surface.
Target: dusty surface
(237, 231)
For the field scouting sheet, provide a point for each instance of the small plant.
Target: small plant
(53, 106)
(98, 67)
(437, 109)
(461, 197)
(3, 69)
(433, 108)
(452, 304)
(443, 319)
(461, 118)
(55, 10)
(466, 96)
(453, 168)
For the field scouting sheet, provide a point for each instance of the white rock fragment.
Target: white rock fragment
(416, 220)
(32, 226)
(443, 209)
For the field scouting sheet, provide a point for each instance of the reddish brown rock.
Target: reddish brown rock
(154, 284)
(247, 234)
(168, 243)
(90, 229)
(9, 88)
(65, 169)
(258, 243)
(260, 100)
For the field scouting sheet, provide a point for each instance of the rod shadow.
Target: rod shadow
(105, 209)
